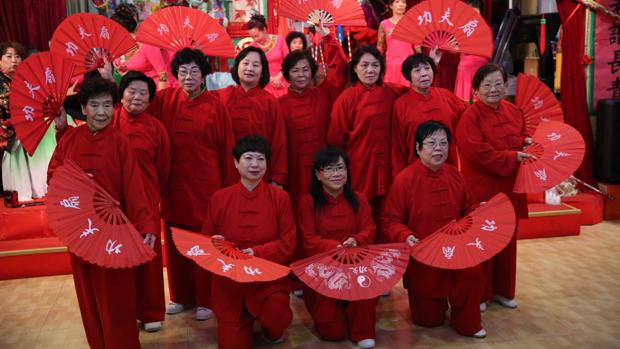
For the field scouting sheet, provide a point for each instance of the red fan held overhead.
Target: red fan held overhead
(471, 240)
(354, 273)
(329, 12)
(175, 28)
(90, 222)
(558, 149)
(450, 25)
(38, 91)
(536, 102)
(222, 258)
(89, 40)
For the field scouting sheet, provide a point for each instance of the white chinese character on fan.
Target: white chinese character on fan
(477, 244)
(470, 27)
(49, 76)
(90, 230)
(560, 154)
(71, 202)
(448, 252)
(71, 48)
(446, 17)
(31, 88)
(336, 3)
(28, 110)
(187, 23)
(541, 174)
(163, 29)
(251, 271)
(489, 225)
(212, 37)
(196, 251)
(425, 18)
(113, 246)
(83, 32)
(362, 269)
(554, 136)
(537, 102)
(225, 267)
(104, 34)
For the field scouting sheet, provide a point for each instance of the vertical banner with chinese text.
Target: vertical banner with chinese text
(607, 51)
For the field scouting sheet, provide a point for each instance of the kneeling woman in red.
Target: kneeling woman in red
(333, 215)
(258, 218)
(107, 297)
(425, 196)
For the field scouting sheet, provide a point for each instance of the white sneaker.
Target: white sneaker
(277, 341)
(483, 307)
(152, 326)
(366, 343)
(480, 334)
(508, 303)
(203, 313)
(298, 293)
(174, 308)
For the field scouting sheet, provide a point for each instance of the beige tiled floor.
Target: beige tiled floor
(568, 292)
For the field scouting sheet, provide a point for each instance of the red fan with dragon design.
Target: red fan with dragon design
(354, 273)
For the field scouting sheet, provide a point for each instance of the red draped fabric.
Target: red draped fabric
(573, 85)
(31, 22)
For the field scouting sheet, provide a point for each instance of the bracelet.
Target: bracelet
(163, 77)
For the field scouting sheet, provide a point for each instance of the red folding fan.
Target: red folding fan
(537, 102)
(90, 221)
(354, 273)
(89, 40)
(175, 28)
(559, 150)
(329, 12)
(37, 93)
(450, 25)
(222, 258)
(471, 240)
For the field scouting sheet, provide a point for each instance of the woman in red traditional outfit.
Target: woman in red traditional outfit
(306, 109)
(425, 196)
(106, 296)
(423, 102)
(150, 141)
(275, 49)
(360, 124)
(331, 216)
(254, 111)
(201, 137)
(490, 135)
(258, 218)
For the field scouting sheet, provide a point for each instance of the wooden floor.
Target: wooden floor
(568, 291)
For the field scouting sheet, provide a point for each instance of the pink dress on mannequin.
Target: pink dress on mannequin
(275, 56)
(468, 65)
(395, 53)
(151, 60)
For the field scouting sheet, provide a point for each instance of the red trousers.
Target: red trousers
(150, 297)
(501, 271)
(377, 205)
(431, 289)
(238, 305)
(336, 320)
(187, 282)
(107, 304)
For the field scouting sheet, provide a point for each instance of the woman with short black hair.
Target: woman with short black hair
(360, 124)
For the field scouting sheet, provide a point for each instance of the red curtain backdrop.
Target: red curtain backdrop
(573, 85)
(31, 22)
